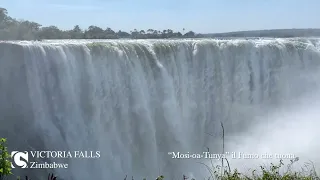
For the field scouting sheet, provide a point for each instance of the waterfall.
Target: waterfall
(137, 100)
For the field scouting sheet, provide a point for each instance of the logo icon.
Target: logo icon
(19, 159)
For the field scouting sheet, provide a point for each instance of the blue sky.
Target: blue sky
(202, 16)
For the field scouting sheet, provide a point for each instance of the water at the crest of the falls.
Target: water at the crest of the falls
(137, 100)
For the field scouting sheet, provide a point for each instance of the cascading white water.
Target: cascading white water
(137, 100)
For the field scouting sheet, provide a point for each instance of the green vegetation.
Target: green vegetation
(274, 172)
(13, 29)
(5, 165)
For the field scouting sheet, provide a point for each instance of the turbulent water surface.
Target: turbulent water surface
(137, 100)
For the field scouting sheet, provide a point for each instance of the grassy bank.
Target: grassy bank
(274, 172)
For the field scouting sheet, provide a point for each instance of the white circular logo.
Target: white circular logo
(19, 159)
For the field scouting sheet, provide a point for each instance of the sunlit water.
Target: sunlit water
(137, 100)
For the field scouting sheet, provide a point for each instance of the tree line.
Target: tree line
(13, 29)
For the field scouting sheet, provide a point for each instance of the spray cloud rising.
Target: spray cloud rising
(137, 100)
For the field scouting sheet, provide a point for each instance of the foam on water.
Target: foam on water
(137, 100)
